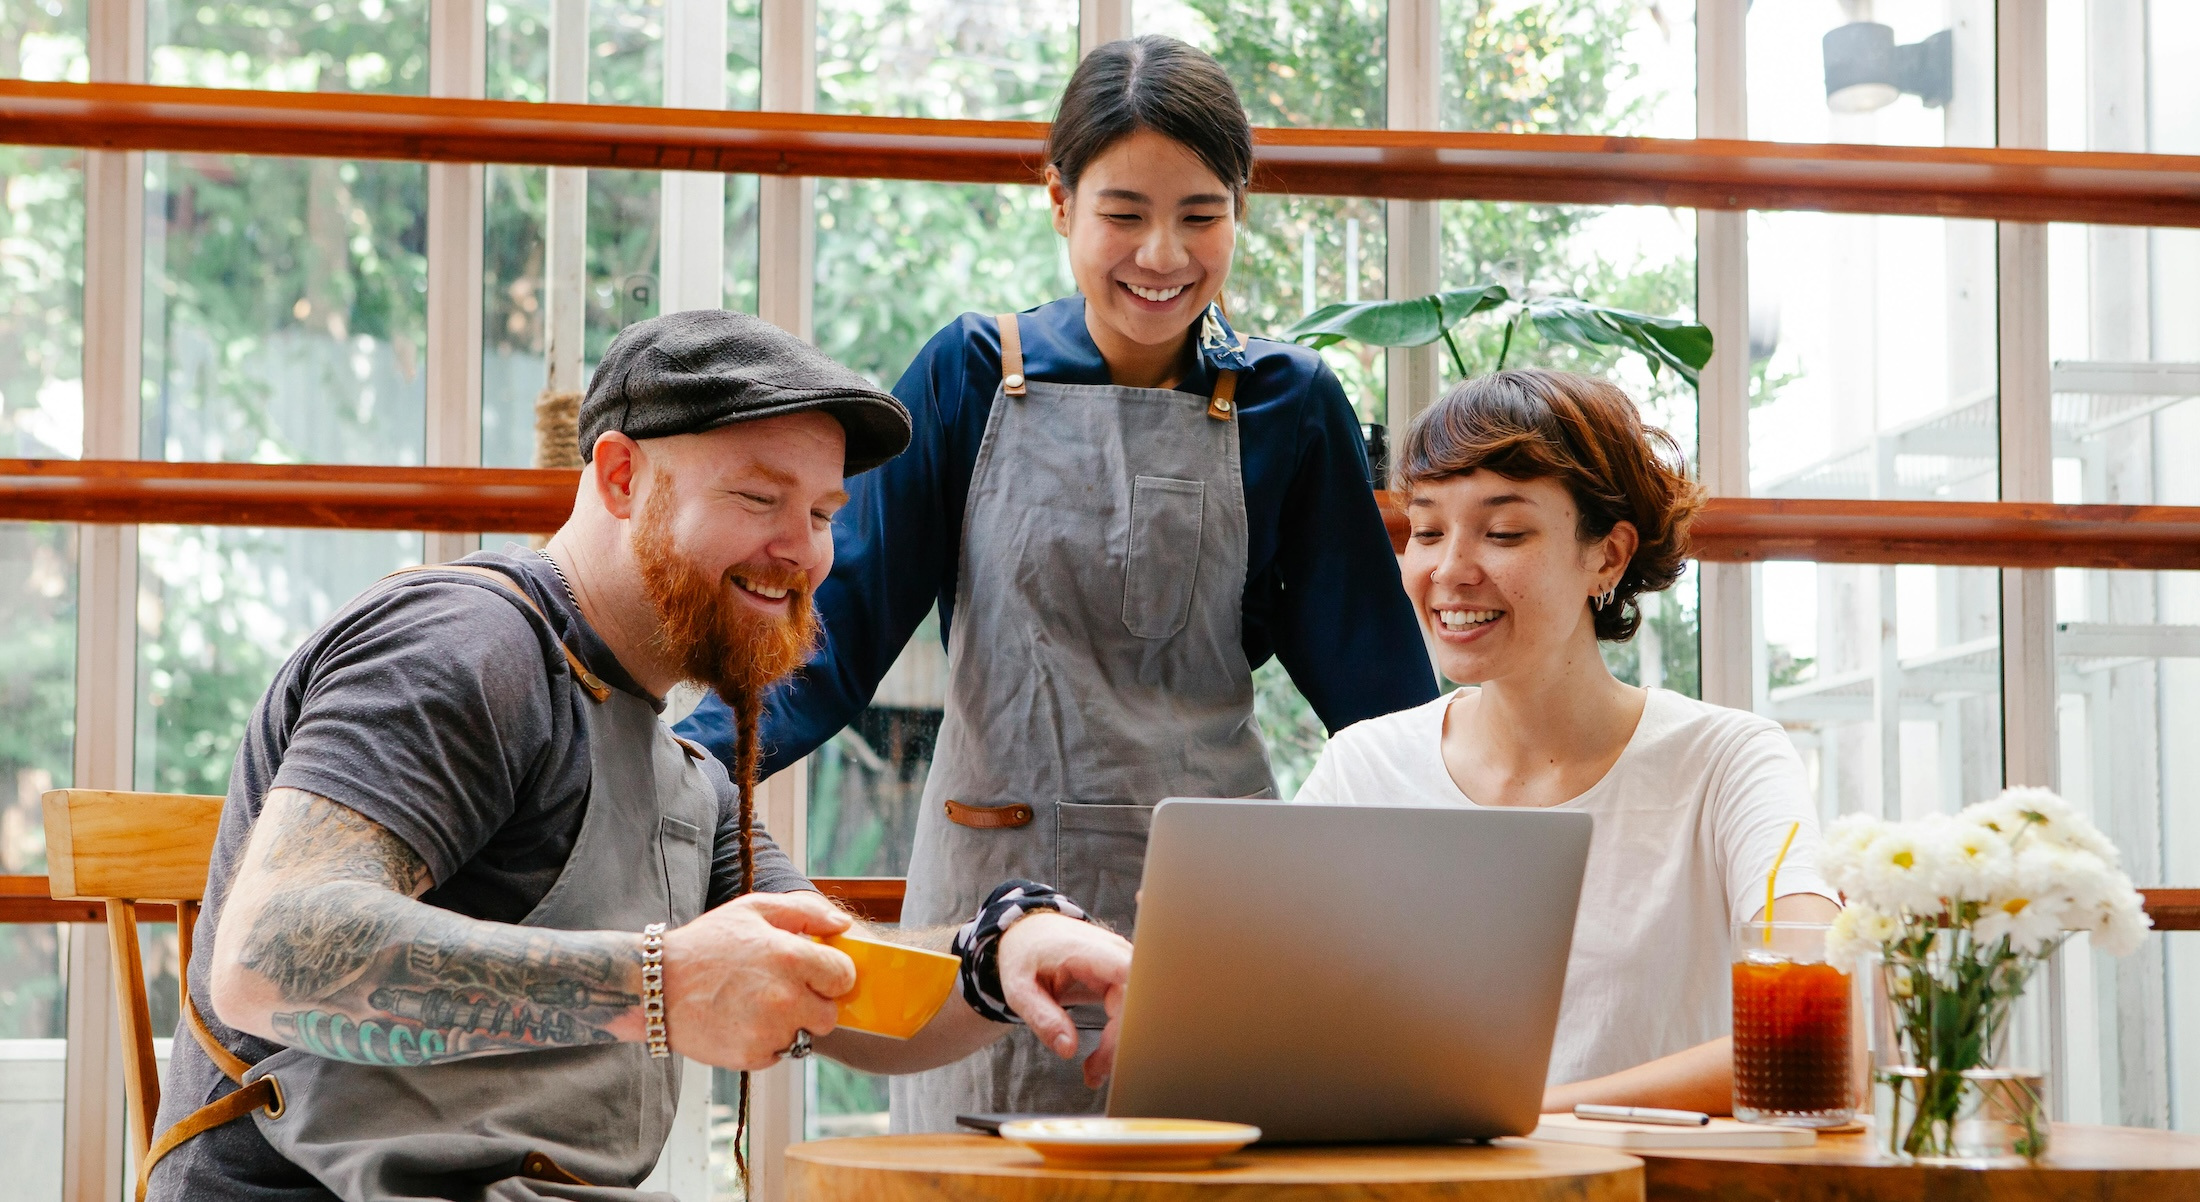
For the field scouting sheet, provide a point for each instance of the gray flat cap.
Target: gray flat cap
(685, 373)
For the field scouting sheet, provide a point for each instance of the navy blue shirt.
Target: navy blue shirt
(1322, 591)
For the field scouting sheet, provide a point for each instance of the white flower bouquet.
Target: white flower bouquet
(1962, 910)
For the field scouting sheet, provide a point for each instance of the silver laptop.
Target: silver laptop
(1332, 973)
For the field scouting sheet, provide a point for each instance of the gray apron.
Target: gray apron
(529, 1124)
(1096, 666)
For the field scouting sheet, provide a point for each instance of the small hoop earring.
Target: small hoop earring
(1603, 599)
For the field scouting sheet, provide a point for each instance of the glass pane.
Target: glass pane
(33, 1057)
(1890, 74)
(1296, 62)
(1570, 67)
(219, 609)
(898, 260)
(1873, 352)
(623, 238)
(2127, 653)
(43, 39)
(41, 303)
(38, 694)
(1888, 679)
(331, 46)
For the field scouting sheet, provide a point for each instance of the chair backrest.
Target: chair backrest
(122, 849)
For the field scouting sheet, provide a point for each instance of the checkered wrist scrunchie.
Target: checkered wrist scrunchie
(979, 942)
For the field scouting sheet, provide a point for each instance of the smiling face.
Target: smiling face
(734, 534)
(1151, 230)
(1500, 577)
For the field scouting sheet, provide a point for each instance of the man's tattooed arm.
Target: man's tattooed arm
(322, 946)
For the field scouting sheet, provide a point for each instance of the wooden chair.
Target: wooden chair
(125, 849)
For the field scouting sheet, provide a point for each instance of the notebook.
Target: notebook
(1722, 1133)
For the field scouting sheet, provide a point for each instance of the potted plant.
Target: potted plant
(1960, 912)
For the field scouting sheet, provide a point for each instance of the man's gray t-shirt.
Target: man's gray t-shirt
(442, 709)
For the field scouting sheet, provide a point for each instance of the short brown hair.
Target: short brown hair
(1530, 424)
(1153, 82)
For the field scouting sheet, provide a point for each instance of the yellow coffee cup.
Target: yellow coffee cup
(898, 988)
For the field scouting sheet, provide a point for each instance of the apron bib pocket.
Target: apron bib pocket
(1161, 564)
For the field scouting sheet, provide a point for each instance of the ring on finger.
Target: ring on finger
(799, 1049)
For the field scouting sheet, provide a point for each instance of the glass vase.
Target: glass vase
(1959, 1052)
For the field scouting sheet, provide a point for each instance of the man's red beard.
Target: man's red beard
(714, 636)
(718, 639)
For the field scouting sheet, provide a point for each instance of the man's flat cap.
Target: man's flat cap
(685, 373)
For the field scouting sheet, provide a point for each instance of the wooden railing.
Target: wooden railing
(531, 501)
(876, 898)
(1967, 182)
(28, 899)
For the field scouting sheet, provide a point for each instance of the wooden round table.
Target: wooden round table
(981, 1168)
(2083, 1164)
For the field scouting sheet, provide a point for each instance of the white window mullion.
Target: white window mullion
(786, 206)
(1100, 22)
(2027, 618)
(93, 1123)
(457, 66)
(565, 220)
(691, 256)
(1724, 596)
(1413, 249)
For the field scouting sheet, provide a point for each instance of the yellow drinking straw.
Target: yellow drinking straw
(1774, 875)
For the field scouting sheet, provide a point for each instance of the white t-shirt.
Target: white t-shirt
(1688, 821)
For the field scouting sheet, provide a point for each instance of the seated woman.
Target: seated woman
(1541, 508)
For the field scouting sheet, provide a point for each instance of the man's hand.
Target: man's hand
(1049, 962)
(741, 980)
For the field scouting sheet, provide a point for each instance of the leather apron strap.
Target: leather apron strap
(266, 1093)
(1012, 356)
(1221, 406)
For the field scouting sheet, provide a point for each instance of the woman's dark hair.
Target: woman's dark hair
(1529, 424)
(1158, 83)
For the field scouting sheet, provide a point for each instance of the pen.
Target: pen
(1642, 1114)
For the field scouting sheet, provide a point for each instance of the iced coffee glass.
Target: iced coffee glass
(1795, 1028)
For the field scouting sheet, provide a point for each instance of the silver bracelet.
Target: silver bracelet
(653, 989)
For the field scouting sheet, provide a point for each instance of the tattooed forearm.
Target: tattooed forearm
(361, 971)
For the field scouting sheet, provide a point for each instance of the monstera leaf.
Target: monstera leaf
(1416, 322)
(1662, 341)
(1684, 346)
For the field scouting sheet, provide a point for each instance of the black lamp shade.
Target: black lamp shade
(1860, 67)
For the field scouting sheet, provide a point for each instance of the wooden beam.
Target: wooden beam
(1960, 182)
(27, 899)
(875, 898)
(1960, 534)
(1974, 534)
(528, 500)
(130, 491)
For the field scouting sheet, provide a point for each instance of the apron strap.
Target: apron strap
(263, 1094)
(1224, 403)
(1219, 407)
(596, 689)
(1012, 356)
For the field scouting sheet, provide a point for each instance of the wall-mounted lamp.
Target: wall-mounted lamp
(1865, 70)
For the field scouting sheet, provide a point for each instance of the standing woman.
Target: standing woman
(1120, 508)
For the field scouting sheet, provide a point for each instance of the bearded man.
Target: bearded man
(470, 895)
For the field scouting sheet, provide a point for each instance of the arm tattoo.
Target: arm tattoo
(377, 977)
